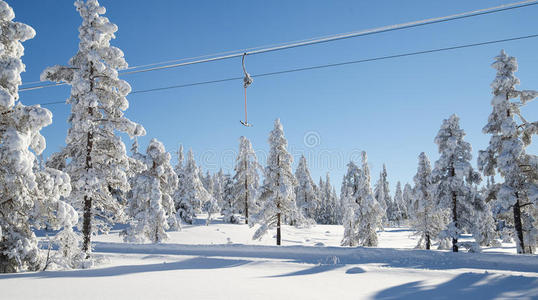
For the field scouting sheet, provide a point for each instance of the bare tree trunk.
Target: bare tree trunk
(428, 241)
(454, 213)
(518, 226)
(87, 216)
(278, 235)
(246, 198)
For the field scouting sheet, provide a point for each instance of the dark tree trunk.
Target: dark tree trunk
(87, 216)
(454, 213)
(278, 236)
(428, 242)
(518, 226)
(246, 200)
(455, 220)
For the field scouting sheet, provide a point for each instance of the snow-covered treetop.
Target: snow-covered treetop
(11, 51)
(505, 81)
(93, 72)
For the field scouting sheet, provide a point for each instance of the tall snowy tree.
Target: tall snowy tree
(151, 208)
(397, 211)
(329, 210)
(350, 207)
(305, 191)
(506, 153)
(94, 156)
(184, 209)
(229, 213)
(427, 220)
(191, 194)
(277, 197)
(29, 193)
(370, 213)
(382, 193)
(453, 177)
(246, 179)
(408, 201)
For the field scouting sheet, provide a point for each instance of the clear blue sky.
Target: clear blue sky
(391, 108)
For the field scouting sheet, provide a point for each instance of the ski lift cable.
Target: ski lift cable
(314, 41)
(324, 66)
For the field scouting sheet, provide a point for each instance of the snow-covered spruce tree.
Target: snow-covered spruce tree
(277, 197)
(229, 213)
(218, 193)
(426, 221)
(191, 194)
(382, 193)
(29, 194)
(370, 213)
(94, 155)
(408, 201)
(246, 179)
(397, 212)
(329, 210)
(453, 178)
(483, 225)
(151, 208)
(184, 209)
(350, 207)
(305, 191)
(506, 151)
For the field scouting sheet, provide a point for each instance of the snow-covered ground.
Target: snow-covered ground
(220, 261)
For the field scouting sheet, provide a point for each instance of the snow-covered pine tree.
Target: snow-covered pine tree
(184, 209)
(427, 220)
(191, 194)
(382, 193)
(278, 196)
(408, 201)
(305, 191)
(94, 155)
(370, 213)
(506, 152)
(453, 178)
(218, 193)
(483, 225)
(246, 180)
(350, 208)
(229, 213)
(397, 213)
(329, 210)
(151, 207)
(29, 193)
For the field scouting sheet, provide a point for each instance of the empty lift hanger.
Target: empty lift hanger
(247, 80)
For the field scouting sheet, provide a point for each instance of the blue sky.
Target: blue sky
(392, 108)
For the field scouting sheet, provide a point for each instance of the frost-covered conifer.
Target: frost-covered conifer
(229, 213)
(427, 220)
(408, 201)
(278, 195)
(305, 191)
(453, 178)
(506, 152)
(382, 193)
(29, 194)
(191, 194)
(370, 213)
(94, 155)
(246, 180)
(350, 207)
(397, 211)
(151, 208)
(329, 210)
(184, 209)
(483, 226)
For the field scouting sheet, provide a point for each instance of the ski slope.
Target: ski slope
(221, 261)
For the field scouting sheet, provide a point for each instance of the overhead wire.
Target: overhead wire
(324, 66)
(314, 41)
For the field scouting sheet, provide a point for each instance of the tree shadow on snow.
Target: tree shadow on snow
(310, 271)
(467, 286)
(197, 263)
